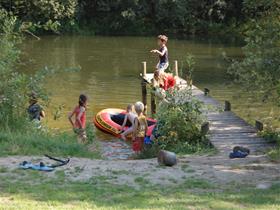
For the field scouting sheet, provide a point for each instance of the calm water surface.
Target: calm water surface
(110, 68)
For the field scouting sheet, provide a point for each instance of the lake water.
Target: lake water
(110, 68)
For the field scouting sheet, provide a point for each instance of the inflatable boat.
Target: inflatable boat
(111, 120)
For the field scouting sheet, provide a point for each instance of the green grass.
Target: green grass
(274, 154)
(62, 144)
(32, 191)
(3, 169)
(272, 137)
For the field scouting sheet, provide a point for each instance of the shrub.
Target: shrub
(179, 122)
(17, 134)
(15, 87)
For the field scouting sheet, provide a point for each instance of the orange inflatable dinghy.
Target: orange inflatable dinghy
(111, 120)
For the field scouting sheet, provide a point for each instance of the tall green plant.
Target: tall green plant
(179, 122)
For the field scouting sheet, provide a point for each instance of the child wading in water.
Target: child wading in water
(139, 129)
(35, 111)
(129, 117)
(163, 53)
(80, 119)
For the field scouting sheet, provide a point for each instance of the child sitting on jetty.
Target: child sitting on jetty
(80, 119)
(163, 80)
(129, 117)
(163, 53)
(139, 129)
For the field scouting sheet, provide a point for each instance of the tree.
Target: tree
(42, 15)
(259, 70)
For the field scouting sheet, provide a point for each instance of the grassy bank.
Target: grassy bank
(35, 190)
(60, 144)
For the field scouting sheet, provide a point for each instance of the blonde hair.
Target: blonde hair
(158, 78)
(139, 107)
(163, 38)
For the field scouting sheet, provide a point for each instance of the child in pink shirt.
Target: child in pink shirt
(80, 119)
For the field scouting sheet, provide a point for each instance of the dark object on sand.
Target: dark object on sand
(242, 149)
(206, 91)
(167, 158)
(239, 152)
(42, 167)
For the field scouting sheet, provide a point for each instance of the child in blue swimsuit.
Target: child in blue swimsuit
(163, 54)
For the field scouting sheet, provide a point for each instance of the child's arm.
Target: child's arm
(82, 110)
(124, 122)
(70, 118)
(135, 126)
(158, 52)
(42, 114)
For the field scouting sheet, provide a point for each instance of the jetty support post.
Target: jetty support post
(176, 68)
(205, 128)
(259, 125)
(227, 106)
(144, 68)
(144, 87)
(153, 103)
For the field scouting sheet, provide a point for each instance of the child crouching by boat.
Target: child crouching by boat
(129, 117)
(79, 125)
(140, 128)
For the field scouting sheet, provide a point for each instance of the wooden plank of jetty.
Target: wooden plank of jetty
(226, 129)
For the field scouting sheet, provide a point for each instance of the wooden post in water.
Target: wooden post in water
(144, 68)
(144, 87)
(153, 103)
(176, 68)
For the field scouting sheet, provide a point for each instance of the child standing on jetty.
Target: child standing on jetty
(80, 119)
(163, 53)
(129, 117)
(140, 128)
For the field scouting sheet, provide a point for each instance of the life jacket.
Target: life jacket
(168, 82)
(142, 125)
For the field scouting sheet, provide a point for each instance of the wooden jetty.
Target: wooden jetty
(226, 129)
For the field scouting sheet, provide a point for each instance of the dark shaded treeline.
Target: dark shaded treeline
(133, 17)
